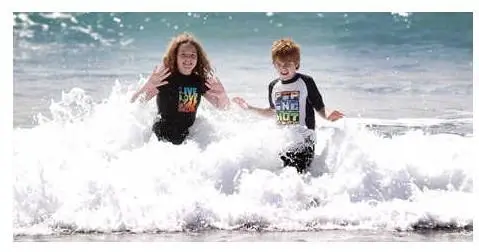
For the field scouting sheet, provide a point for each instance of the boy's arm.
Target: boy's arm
(268, 112)
(317, 101)
(322, 113)
(333, 116)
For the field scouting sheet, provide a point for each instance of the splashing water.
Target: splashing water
(98, 167)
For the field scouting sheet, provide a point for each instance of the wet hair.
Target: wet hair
(202, 68)
(286, 49)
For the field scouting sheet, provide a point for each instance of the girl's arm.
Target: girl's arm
(157, 79)
(216, 94)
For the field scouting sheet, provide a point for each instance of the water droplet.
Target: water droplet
(402, 14)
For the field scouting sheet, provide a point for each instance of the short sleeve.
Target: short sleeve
(314, 97)
(270, 92)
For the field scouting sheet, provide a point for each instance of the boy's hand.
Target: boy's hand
(335, 115)
(241, 102)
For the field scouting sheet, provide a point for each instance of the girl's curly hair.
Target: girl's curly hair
(202, 69)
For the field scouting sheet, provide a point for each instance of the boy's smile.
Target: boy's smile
(286, 70)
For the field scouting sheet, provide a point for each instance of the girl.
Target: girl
(178, 84)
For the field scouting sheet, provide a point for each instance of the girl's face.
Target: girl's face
(286, 70)
(187, 58)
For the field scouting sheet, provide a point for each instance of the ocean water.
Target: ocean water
(399, 167)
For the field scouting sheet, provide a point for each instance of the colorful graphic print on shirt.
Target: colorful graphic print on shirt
(287, 107)
(187, 99)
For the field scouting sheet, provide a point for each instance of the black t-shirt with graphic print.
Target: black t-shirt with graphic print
(295, 100)
(178, 100)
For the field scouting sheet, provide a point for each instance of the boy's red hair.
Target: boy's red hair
(286, 50)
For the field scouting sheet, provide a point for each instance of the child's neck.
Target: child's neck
(291, 78)
(183, 73)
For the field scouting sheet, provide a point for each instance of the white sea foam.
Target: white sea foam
(97, 166)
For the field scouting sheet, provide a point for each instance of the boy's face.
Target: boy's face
(286, 69)
(186, 58)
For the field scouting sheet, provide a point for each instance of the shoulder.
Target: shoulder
(197, 77)
(273, 82)
(308, 81)
(306, 78)
(172, 77)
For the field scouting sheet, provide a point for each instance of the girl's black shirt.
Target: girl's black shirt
(178, 100)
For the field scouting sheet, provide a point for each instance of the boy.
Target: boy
(293, 97)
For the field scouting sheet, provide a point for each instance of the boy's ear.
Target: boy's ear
(297, 66)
